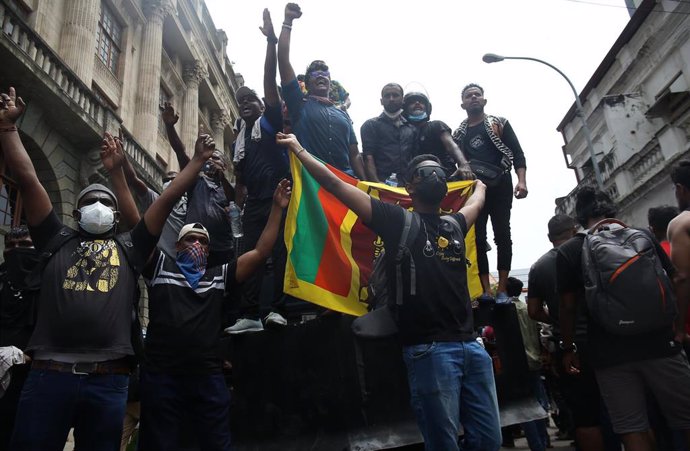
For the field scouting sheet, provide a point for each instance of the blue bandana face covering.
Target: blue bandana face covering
(192, 264)
(417, 117)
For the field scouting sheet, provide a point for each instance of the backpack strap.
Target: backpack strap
(409, 233)
(134, 259)
(595, 228)
(33, 280)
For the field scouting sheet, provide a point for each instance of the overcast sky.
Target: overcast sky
(439, 44)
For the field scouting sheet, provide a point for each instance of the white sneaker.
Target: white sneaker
(275, 319)
(244, 325)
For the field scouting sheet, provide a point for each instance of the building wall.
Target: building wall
(639, 113)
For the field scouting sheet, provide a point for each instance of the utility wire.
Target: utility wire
(633, 8)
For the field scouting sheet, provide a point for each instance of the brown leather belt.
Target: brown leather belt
(119, 366)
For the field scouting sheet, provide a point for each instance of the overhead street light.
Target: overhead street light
(493, 58)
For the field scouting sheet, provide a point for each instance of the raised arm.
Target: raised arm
(271, 95)
(37, 204)
(287, 73)
(159, 211)
(474, 204)
(113, 158)
(170, 118)
(464, 172)
(355, 199)
(679, 236)
(248, 262)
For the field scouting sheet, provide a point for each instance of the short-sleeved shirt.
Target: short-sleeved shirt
(323, 129)
(441, 309)
(476, 145)
(173, 224)
(542, 285)
(391, 145)
(208, 205)
(264, 163)
(183, 335)
(428, 140)
(87, 292)
(607, 349)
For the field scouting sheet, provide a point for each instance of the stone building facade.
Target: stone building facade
(637, 105)
(85, 67)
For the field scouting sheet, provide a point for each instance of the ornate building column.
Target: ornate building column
(193, 74)
(79, 27)
(148, 87)
(219, 120)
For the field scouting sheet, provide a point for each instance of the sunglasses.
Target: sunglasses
(427, 171)
(319, 73)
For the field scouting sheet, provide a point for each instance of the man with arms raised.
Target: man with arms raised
(449, 373)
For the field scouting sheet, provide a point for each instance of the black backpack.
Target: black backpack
(626, 288)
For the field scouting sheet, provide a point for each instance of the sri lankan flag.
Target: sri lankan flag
(330, 251)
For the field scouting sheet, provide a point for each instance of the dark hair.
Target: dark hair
(471, 85)
(593, 203)
(681, 173)
(659, 217)
(17, 232)
(418, 159)
(559, 226)
(393, 85)
(314, 65)
(514, 286)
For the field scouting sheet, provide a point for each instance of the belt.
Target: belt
(119, 366)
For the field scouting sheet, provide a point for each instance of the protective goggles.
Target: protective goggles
(319, 73)
(426, 171)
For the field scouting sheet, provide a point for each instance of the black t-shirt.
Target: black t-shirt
(606, 349)
(441, 309)
(389, 144)
(476, 145)
(264, 163)
(542, 285)
(183, 335)
(87, 292)
(428, 140)
(207, 205)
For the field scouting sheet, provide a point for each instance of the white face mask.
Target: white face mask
(96, 218)
(166, 184)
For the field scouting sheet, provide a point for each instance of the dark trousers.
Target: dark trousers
(499, 201)
(168, 401)
(9, 402)
(254, 220)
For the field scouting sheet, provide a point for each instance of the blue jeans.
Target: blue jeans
(167, 401)
(535, 430)
(450, 383)
(53, 402)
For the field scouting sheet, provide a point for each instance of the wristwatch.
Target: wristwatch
(567, 348)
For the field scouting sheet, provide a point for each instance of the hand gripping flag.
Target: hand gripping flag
(331, 252)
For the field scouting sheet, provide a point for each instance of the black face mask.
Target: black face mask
(19, 262)
(432, 189)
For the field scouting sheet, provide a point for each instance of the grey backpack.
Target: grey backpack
(627, 290)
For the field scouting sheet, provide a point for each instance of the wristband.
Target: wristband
(8, 129)
(272, 39)
(287, 25)
(301, 149)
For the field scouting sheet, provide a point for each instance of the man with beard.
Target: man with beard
(82, 343)
(325, 129)
(388, 139)
(259, 165)
(489, 141)
(17, 317)
(449, 373)
(433, 137)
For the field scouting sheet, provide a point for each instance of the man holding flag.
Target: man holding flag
(449, 373)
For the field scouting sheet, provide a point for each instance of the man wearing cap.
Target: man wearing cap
(433, 137)
(259, 165)
(82, 338)
(182, 372)
(324, 129)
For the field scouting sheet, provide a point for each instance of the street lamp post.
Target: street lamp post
(493, 58)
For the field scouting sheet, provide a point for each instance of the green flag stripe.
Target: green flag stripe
(311, 232)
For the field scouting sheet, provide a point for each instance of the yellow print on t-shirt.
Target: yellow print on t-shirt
(96, 269)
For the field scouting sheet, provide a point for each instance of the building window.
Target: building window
(10, 201)
(163, 97)
(108, 39)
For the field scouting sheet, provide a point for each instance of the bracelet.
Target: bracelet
(8, 129)
(287, 25)
(272, 39)
(301, 149)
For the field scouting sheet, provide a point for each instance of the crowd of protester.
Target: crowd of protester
(73, 354)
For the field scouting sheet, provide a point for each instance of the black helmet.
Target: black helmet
(407, 99)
